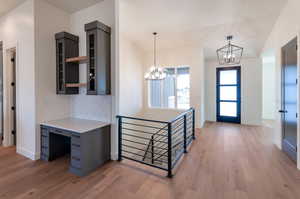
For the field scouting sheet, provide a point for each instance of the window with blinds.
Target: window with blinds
(173, 91)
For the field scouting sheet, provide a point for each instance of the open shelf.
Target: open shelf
(75, 85)
(77, 59)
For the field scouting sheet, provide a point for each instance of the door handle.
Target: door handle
(282, 111)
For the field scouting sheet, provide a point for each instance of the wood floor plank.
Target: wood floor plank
(226, 161)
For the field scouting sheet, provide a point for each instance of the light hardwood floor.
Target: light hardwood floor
(226, 161)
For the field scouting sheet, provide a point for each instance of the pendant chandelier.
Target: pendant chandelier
(230, 54)
(155, 72)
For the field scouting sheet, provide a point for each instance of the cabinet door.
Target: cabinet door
(103, 63)
(60, 85)
(92, 62)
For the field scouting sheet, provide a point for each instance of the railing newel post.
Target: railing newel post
(170, 150)
(184, 134)
(120, 138)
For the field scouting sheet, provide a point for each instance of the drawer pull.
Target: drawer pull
(76, 145)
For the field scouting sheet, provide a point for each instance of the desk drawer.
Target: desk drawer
(75, 139)
(75, 152)
(44, 132)
(76, 162)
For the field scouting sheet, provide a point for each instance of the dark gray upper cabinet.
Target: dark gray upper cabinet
(67, 73)
(98, 38)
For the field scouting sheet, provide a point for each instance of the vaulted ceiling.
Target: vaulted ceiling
(7, 5)
(73, 5)
(69, 6)
(200, 22)
(188, 23)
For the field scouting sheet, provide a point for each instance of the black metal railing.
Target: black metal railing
(159, 144)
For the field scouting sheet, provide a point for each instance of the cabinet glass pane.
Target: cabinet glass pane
(228, 93)
(228, 77)
(228, 109)
(92, 62)
(60, 67)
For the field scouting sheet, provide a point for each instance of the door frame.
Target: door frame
(227, 118)
(8, 137)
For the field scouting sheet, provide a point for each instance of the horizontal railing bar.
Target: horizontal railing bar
(177, 130)
(157, 133)
(158, 167)
(189, 118)
(167, 151)
(163, 140)
(178, 122)
(189, 141)
(178, 126)
(178, 143)
(140, 149)
(143, 156)
(161, 145)
(189, 124)
(181, 115)
(132, 153)
(140, 119)
(153, 127)
(134, 142)
(177, 159)
(145, 132)
(141, 137)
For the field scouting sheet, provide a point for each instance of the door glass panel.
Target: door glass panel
(228, 93)
(228, 77)
(228, 109)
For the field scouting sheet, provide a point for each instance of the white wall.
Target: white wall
(180, 56)
(99, 107)
(49, 106)
(17, 30)
(285, 29)
(89, 106)
(269, 89)
(251, 90)
(130, 78)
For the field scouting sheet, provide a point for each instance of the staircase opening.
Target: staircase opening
(159, 144)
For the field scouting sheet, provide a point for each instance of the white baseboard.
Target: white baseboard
(114, 156)
(28, 154)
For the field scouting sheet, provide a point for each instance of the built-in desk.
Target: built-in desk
(87, 141)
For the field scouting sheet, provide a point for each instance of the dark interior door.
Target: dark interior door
(13, 108)
(289, 99)
(229, 94)
(1, 93)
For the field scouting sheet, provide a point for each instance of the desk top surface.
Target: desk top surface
(75, 124)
